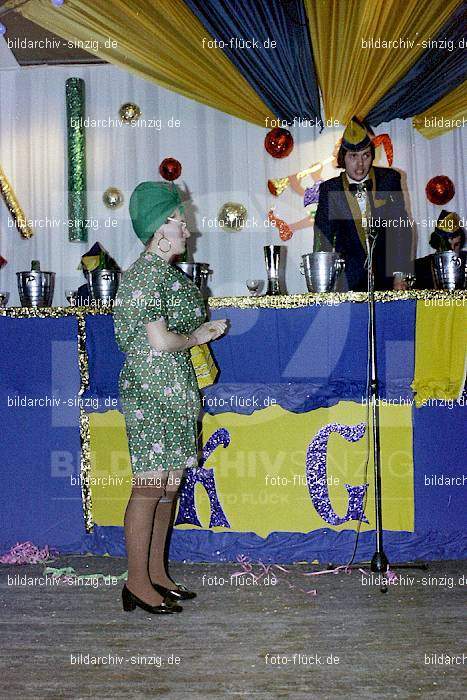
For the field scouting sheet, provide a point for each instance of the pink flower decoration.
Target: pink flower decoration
(145, 386)
(139, 414)
(191, 461)
(125, 384)
(176, 286)
(137, 293)
(168, 391)
(198, 312)
(157, 448)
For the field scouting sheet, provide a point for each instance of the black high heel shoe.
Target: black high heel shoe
(131, 602)
(179, 593)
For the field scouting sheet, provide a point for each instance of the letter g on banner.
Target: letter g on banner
(316, 475)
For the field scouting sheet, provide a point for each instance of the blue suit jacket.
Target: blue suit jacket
(334, 222)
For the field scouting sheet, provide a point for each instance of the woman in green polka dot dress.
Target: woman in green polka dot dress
(158, 315)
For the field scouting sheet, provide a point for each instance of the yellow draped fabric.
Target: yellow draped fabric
(161, 41)
(440, 351)
(261, 478)
(352, 76)
(449, 113)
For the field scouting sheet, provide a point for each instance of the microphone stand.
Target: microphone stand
(379, 562)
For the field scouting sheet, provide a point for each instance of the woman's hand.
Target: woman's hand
(210, 331)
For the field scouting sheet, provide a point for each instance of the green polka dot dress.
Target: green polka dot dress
(158, 390)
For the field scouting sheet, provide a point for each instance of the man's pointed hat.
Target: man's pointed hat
(355, 137)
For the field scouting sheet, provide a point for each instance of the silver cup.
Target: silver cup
(36, 288)
(103, 284)
(198, 273)
(321, 270)
(450, 270)
(273, 257)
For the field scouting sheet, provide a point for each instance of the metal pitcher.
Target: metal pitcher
(36, 288)
(103, 284)
(450, 270)
(321, 270)
(198, 273)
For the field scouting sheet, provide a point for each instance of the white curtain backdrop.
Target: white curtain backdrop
(223, 160)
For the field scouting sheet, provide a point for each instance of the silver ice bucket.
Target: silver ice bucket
(198, 273)
(321, 270)
(36, 288)
(450, 269)
(103, 284)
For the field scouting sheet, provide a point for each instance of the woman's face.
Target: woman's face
(176, 231)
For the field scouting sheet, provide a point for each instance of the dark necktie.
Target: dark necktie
(356, 187)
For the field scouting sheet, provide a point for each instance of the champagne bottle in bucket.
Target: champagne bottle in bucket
(322, 268)
(102, 274)
(35, 287)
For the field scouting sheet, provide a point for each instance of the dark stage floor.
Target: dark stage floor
(251, 641)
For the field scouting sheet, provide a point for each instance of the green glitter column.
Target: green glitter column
(77, 195)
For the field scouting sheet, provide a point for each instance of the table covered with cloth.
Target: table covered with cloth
(286, 416)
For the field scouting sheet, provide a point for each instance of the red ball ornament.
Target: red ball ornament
(170, 169)
(278, 143)
(440, 190)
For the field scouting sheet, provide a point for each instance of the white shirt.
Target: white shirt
(361, 197)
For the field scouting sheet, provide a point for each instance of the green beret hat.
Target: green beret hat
(150, 205)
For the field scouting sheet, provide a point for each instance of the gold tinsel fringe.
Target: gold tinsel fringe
(293, 301)
(283, 301)
(85, 463)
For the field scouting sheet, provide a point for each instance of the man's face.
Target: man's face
(358, 163)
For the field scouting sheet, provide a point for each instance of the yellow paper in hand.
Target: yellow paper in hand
(204, 366)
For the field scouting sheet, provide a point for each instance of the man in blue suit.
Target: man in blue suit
(364, 201)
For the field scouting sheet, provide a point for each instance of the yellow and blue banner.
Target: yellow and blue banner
(263, 477)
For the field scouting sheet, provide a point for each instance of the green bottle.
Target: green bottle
(35, 266)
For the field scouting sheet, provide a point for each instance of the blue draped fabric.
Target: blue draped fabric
(439, 459)
(284, 77)
(310, 357)
(40, 494)
(439, 70)
(323, 545)
(304, 358)
(105, 360)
